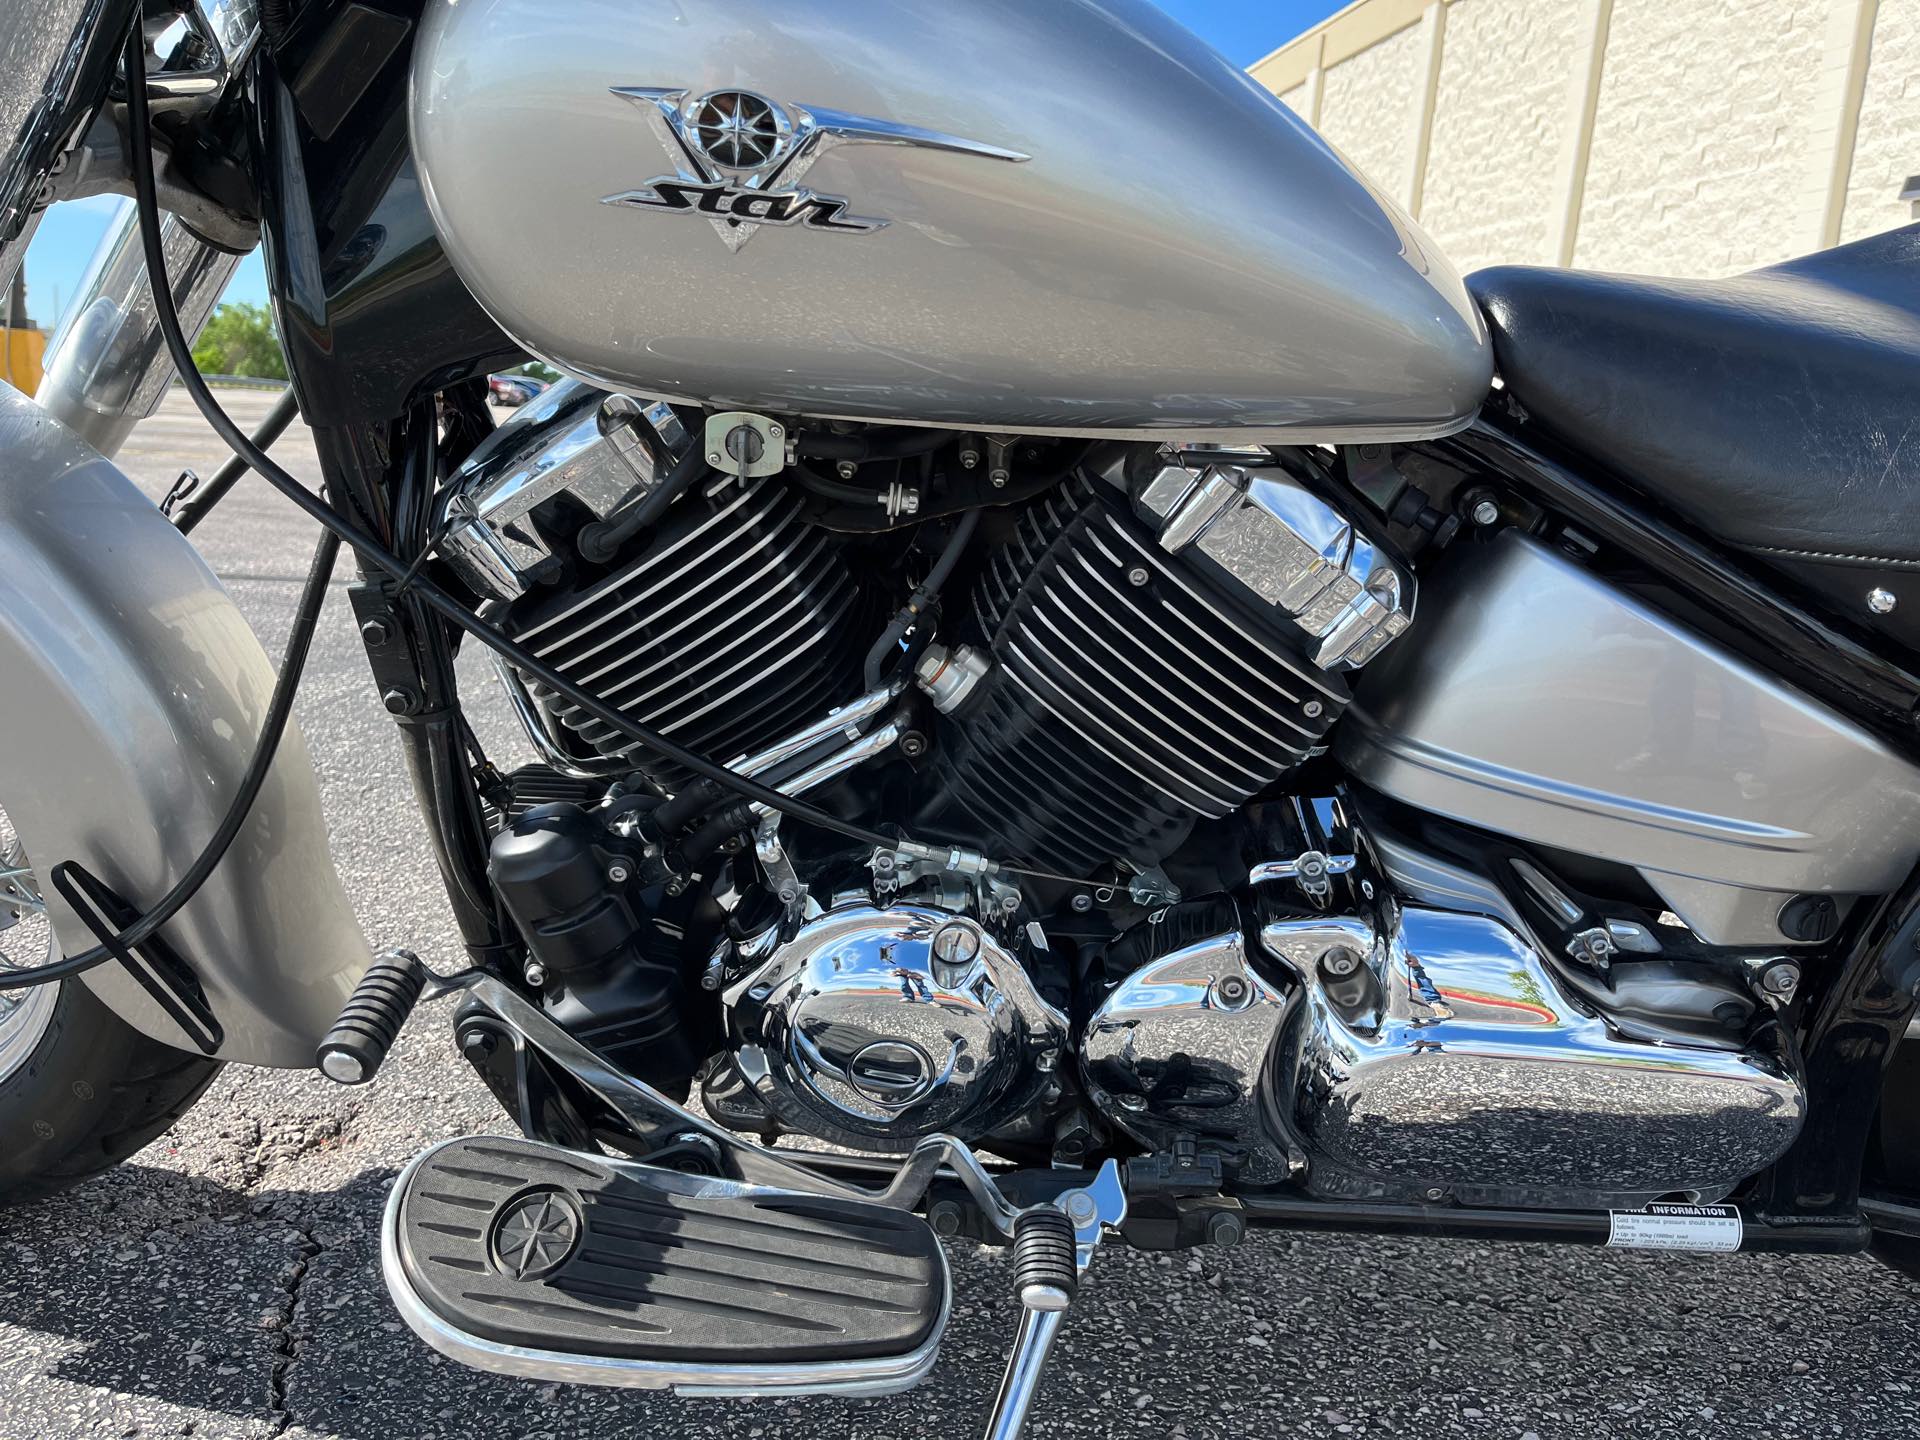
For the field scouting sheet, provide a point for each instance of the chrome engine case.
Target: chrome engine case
(873, 1027)
(1381, 1050)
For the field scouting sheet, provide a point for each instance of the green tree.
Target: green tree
(240, 340)
(538, 370)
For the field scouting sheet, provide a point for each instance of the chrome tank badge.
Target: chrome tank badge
(739, 159)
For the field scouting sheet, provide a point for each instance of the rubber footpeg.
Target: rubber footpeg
(1044, 1272)
(354, 1048)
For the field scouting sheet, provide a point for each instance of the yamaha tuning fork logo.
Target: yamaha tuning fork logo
(740, 158)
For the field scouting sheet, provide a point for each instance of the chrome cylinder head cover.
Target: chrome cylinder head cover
(874, 1027)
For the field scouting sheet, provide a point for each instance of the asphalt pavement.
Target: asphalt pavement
(224, 1283)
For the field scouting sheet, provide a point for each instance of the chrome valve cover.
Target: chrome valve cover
(874, 1027)
(1259, 530)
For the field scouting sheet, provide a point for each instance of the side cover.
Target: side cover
(131, 696)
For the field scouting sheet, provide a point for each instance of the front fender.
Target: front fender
(131, 697)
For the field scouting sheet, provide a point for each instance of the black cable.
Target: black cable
(279, 708)
(370, 550)
(194, 510)
(928, 592)
(599, 541)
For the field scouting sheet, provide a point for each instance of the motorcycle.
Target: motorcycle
(1083, 677)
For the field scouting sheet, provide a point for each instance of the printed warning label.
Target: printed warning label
(1676, 1227)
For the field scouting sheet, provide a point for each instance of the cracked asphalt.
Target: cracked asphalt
(224, 1283)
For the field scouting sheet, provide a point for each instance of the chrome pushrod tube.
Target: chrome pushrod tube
(108, 368)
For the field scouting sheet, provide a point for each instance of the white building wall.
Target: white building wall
(1720, 134)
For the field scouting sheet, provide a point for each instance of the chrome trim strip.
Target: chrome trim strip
(874, 1375)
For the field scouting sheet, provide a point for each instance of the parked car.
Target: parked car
(513, 390)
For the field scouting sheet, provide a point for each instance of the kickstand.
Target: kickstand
(1052, 1245)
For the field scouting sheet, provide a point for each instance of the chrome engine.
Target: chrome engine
(1148, 647)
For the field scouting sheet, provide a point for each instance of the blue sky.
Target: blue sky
(1243, 30)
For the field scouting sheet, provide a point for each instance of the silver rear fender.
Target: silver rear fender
(131, 696)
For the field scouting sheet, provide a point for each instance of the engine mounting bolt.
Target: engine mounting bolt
(944, 1216)
(846, 469)
(399, 701)
(375, 632)
(1313, 709)
(1226, 1229)
(956, 943)
(535, 973)
(1881, 602)
(1081, 1208)
(1082, 904)
(1340, 962)
(1485, 512)
(618, 873)
(1138, 575)
(478, 1044)
(1781, 979)
(1132, 1102)
(1233, 990)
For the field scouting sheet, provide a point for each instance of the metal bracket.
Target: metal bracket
(1311, 870)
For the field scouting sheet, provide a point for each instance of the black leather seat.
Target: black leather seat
(1779, 411)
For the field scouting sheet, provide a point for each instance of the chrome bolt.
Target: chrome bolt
(775, 431)
(999, 477)
(969, 459)
(1339, 962)
(788, 894)
(1132, 1102)
(846, 469)
(1881, 602)
(535, 974)
(883, 863)
(1138, 575)
(1010, 902)
(714, 457)
(1313, 709)
(618, 873)
(1485, 512)
(1081, 1208)
(1232, 990)
(1082, 904)
(1781, 979)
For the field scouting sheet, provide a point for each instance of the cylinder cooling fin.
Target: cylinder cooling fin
(1128, 697)
(725, 629)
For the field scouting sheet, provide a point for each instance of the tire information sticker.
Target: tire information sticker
(1676, 1227)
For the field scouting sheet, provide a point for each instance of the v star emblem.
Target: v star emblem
(536, 1235)
(740, 158)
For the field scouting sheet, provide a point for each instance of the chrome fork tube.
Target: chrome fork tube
(108, 368)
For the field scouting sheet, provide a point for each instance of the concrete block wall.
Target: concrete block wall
(1671, 137)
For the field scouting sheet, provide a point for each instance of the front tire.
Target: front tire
(90, 1092)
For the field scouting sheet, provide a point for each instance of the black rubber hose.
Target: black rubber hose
(601, 541)
(871, 445)
(279, 708)
(370, 549)
(713, 834)
(928, 592)
(194, 510)
(692, 801)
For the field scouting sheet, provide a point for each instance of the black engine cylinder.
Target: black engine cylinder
(1129, 696)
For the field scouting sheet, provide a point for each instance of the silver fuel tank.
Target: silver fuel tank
(1052, 215)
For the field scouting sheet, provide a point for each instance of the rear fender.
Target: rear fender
(131, 697)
